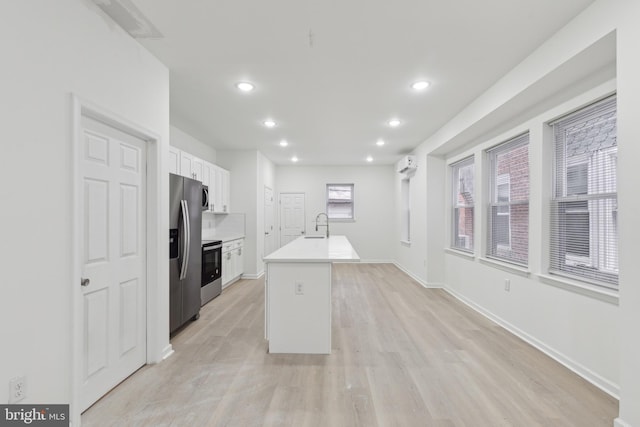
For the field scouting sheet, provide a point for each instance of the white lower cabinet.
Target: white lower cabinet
(232, 261)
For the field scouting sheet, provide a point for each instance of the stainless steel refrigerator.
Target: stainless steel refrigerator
(185, 256)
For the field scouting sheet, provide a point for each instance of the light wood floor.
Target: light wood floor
(402, 356)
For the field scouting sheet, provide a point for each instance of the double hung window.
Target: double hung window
(340, 201)
(508, 233)
(462, 185)
(584, 231)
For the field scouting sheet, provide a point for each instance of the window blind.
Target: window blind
(584, 209)
(340, 201)
(508, 232)
(462, 181)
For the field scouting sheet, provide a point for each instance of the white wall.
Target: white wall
(628, 14)
(372, 234)
(588, 332)
(266, 178)
(250, 172)
(185, 142)
(49, 51)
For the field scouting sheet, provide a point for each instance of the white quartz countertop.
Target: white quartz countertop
(333, 249)
(226, 237)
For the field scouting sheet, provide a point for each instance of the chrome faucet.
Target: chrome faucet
(326, 224)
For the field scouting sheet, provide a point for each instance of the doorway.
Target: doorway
(117, 273)
(292, 216)
(269, 236)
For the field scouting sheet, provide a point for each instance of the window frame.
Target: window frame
(594, 268)
(494, 178)
(456, 206)
(350, 202)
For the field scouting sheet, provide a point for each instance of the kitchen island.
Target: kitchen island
(298, 293)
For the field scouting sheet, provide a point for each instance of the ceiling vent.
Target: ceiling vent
(407, 164)
(130, 18)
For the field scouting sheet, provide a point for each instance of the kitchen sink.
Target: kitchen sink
(314, 237)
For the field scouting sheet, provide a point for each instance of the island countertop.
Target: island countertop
(332, 249)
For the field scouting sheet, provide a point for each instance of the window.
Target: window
(508, 236)
(462, 184)
(340, 201)
(584, 234)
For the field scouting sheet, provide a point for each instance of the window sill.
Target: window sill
(511, 268)
(592, 291)
(342, 220)
(457, 252)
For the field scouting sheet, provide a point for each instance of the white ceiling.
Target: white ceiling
(332, 98)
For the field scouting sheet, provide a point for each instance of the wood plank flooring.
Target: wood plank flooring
(402, 356)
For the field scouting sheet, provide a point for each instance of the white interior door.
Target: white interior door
(292, 217)
(113, 249)
(269, 237)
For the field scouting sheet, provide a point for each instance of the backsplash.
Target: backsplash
(214, 226)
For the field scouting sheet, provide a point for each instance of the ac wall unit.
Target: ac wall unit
(407, 164)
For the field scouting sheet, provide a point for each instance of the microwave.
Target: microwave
(205, 198)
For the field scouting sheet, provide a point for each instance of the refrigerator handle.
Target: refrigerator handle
(186, 260)
(185, 237)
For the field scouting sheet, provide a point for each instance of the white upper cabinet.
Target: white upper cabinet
(174, 160)
(186, 164)
(197, 169)
(191, 166)
(219, 186)
(217, 179)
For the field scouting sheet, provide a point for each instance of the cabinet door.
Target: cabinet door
(174, 160)
(206, 173)
(217, 195)
(197, 169)
(226, 186)
(186, 164)
(228, 267)
(239, 262)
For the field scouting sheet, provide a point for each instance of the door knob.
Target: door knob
(84, 282)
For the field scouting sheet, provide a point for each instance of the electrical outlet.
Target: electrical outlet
(299, 288)
(507, 285)
(17, 389)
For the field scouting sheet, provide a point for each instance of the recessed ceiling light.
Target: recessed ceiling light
(369, 159)
(269, 123)
(245, 86)
(294, 159)
(283, 143)
(394, 123)
(420, 85)
(380, 143)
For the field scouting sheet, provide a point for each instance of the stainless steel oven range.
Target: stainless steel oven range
(211, 270)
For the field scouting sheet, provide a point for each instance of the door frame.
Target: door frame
(280, 213)
(157, 337)
(273, 217)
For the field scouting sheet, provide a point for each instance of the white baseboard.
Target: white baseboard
(253, 276)
(602, 383)
(618, 422)
(226, 285)
(424, 284)
(167, 352)
(376, 261)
